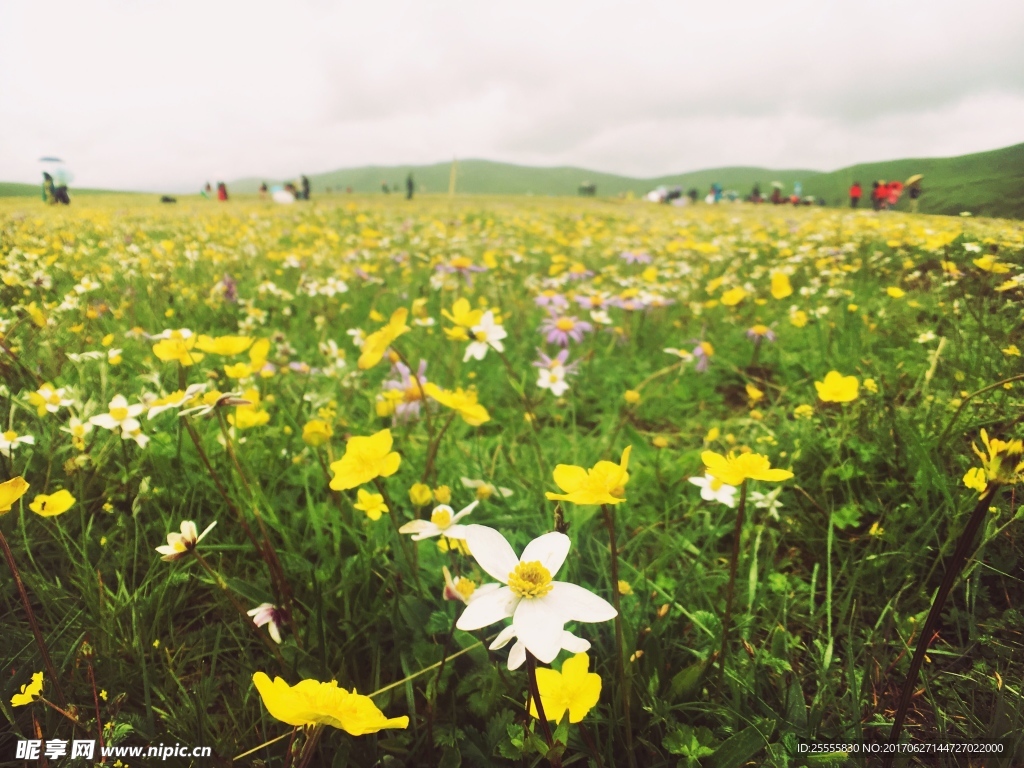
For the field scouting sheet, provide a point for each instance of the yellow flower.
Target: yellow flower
(712, 435)
(837, 388)
(798, 319)
(420, 494)
(370, 503)
(224, 345)
(895, 292)
(625, 588)
(992, 460)
(313, 703)
(29, 692)
(871, 386)
(803, 411)
(378, 341)
(11, 491)
(463, 315)
(249, 416)
(991, 264)
(632, 396)
(461, 401)
(316, 432)
(52, 505)
(754, 394)
(735, 469)
(781, 287)
(442, 494)
(573, 689)
(238, 370)
(177, 348)
(733, 296)
(975, 479)
(1012, 351)
(604, 483)
(365, 458)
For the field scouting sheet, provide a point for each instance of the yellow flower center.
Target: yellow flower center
(413, 393)
(119, 414)
(480, 336)
(530, 580)
(10, 436)
(53, 398)
(465, 587)
(441, 517)
(461, 262)
(565, 324)
(485, 491)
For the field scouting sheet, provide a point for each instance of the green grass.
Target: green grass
(831, 592)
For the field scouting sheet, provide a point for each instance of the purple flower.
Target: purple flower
(559, 330)
(558, 360)
(267, 613)
(594, 301)
(463, 266)
(551, 298)
(409, 407)
(703, 352)
(758, 332)
(635, 258)
(230, 288)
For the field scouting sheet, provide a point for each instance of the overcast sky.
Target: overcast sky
(166, 94)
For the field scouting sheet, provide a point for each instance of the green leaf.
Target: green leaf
(737, 750)
(686, 683)
(450, 758)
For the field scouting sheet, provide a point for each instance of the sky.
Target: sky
(152, 95)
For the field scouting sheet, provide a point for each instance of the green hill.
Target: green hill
(483, 177)
(986, 183)
(15, 189)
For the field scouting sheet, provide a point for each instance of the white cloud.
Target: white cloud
(167, 95)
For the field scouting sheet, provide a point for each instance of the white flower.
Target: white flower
(121, 416)
(10, 439)
(486, 333)
(723, 494)
(769, 501)
(48, 398)
(358, 336)
(925, 337)
(682, 354)
(485, 490)
(77, 428)
(553, 379)
(442, 522)
(538, 606)
(266, 613)
(180, 544)
(174, 400)
(517, 656)
(600, 316)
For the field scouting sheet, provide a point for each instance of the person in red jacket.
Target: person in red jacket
(855, 193)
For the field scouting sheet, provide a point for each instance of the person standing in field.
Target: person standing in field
(48, 189)
(263, 191)
(915, 196)
(304, 183)
(222, 191)
(877, 195)
(410, 187)
(855, 193)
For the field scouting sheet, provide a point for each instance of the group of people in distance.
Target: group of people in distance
(886, 194)
(222, 191)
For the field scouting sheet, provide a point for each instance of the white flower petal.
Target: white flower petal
(504, 638)
(538, 624)
(574, 644)
(104, 420)
(517, 656)
(491, 550)
(419, 526)
(488, 609)
(574, 603)
(551, 549)
(463, 512)
(484, 589)
(454, 531)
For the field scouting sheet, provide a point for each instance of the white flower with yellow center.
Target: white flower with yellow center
(10, 439)
(443, 522)
(487, 333)
(121, 416)
(180, 544)
(715, 490)
(49, 399)
(538, 606)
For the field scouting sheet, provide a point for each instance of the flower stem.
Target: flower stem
(609, 521)
(531, 679)
(428, 467)
(410, 560)
(40, 643)
(954, 566)
(731, 588)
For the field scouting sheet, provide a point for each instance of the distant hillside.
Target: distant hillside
(14, 189)
(986, 184)
(483, 177)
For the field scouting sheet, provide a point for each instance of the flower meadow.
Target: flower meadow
(367, 482)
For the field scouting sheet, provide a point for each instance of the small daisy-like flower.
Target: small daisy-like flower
(487, 333)
(485, 490)
(443, 522)
(10, 439)
(180, 544)
(49, 399)
(715, 490)
(267, 613)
